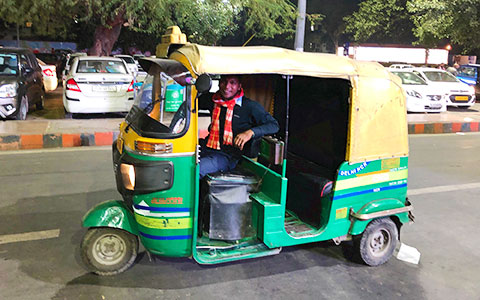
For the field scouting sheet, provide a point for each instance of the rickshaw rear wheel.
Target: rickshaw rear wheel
(376, 244)
(108, 251)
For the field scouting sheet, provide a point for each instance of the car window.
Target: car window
(467, 71)
(127, 59)
(410, 78)
(8, 64)
(440, 76)
(419, 74)
(23, 60)
(101, 66)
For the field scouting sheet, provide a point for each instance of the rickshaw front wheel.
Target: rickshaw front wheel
(108, 251)
(377, 242)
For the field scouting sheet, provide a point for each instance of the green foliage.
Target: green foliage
(456, 20)
(48, 17)
(381, 21)
(204, 21)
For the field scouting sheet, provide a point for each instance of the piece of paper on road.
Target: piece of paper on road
(408, 254)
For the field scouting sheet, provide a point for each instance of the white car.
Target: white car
(420, 96)
(401, 66)
(457, 93)
(49, 72)
(98, 85)
(131, 64)
(68, 64)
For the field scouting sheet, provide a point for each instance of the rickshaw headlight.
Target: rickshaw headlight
(128, 176)
(153, 148)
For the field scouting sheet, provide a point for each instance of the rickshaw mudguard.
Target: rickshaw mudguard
(389, 206)
(112, 213)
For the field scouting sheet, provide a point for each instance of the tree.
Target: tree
(457, 21)
(381, 21)
(327, 17)
(205, 21)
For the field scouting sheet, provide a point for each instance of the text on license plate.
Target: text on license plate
(435, 105)
(461, 98)
(104, 88)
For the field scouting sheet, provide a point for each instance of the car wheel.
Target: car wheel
(23, 109)
(376, 244)
(39, 105)
(108, 251)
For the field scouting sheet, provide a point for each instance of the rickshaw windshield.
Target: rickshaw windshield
(160, 106)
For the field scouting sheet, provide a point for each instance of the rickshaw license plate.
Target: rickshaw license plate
(461, 98)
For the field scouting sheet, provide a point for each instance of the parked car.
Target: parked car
(420, 96)
(131, 64)
(49, 72)
(457, 93)
(98, 85)
(21, 83)
(51, 59)
(68, 64)
(401, 66)
(469, 74)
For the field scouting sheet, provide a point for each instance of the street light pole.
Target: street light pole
(300, 32)
(18, 36)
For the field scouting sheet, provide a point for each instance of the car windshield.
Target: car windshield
(439, 76)
(467, 72)
(410, 78)
(101, 66)
(8, 64)
(169, 107)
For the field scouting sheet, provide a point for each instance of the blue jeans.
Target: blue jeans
(212, 161)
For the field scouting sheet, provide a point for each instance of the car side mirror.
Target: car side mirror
(203, 83)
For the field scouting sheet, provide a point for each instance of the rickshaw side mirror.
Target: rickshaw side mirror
(203, 83)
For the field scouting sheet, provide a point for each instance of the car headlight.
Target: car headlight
(414, 93)
(8, 90)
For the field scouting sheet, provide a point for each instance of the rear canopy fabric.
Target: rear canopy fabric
(378, 123)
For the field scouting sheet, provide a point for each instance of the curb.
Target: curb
(443, 127)
(60, 140)
(65, 140)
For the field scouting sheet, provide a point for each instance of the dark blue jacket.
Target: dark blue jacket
(251, 115)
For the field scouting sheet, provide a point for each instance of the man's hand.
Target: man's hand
(242, 138)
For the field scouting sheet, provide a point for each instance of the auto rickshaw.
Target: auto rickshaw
(336, 170)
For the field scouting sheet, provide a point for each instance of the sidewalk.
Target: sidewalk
(451, 121)
(35, 134)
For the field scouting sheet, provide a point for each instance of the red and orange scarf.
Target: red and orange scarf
(214, 139)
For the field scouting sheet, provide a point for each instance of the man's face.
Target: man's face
(229, 86)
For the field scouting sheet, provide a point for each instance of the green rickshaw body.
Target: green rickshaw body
(362, 143)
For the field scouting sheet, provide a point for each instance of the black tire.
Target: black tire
(40, 104)
(22, 109)
(108, 251)
(376, 244)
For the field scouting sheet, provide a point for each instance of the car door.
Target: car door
(37, 78)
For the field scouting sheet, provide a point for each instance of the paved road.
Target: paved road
(46, 190)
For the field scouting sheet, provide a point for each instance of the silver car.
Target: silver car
(98, 85)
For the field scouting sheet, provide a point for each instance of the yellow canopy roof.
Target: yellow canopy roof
(378, 123)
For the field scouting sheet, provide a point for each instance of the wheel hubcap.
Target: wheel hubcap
(380, 242)
(109, 249)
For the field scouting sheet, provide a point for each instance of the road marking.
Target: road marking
(444, 188)
(29, 236)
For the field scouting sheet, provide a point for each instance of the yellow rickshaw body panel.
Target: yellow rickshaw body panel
(378, 124)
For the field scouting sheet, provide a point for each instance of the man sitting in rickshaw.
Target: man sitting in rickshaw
(236, 120)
